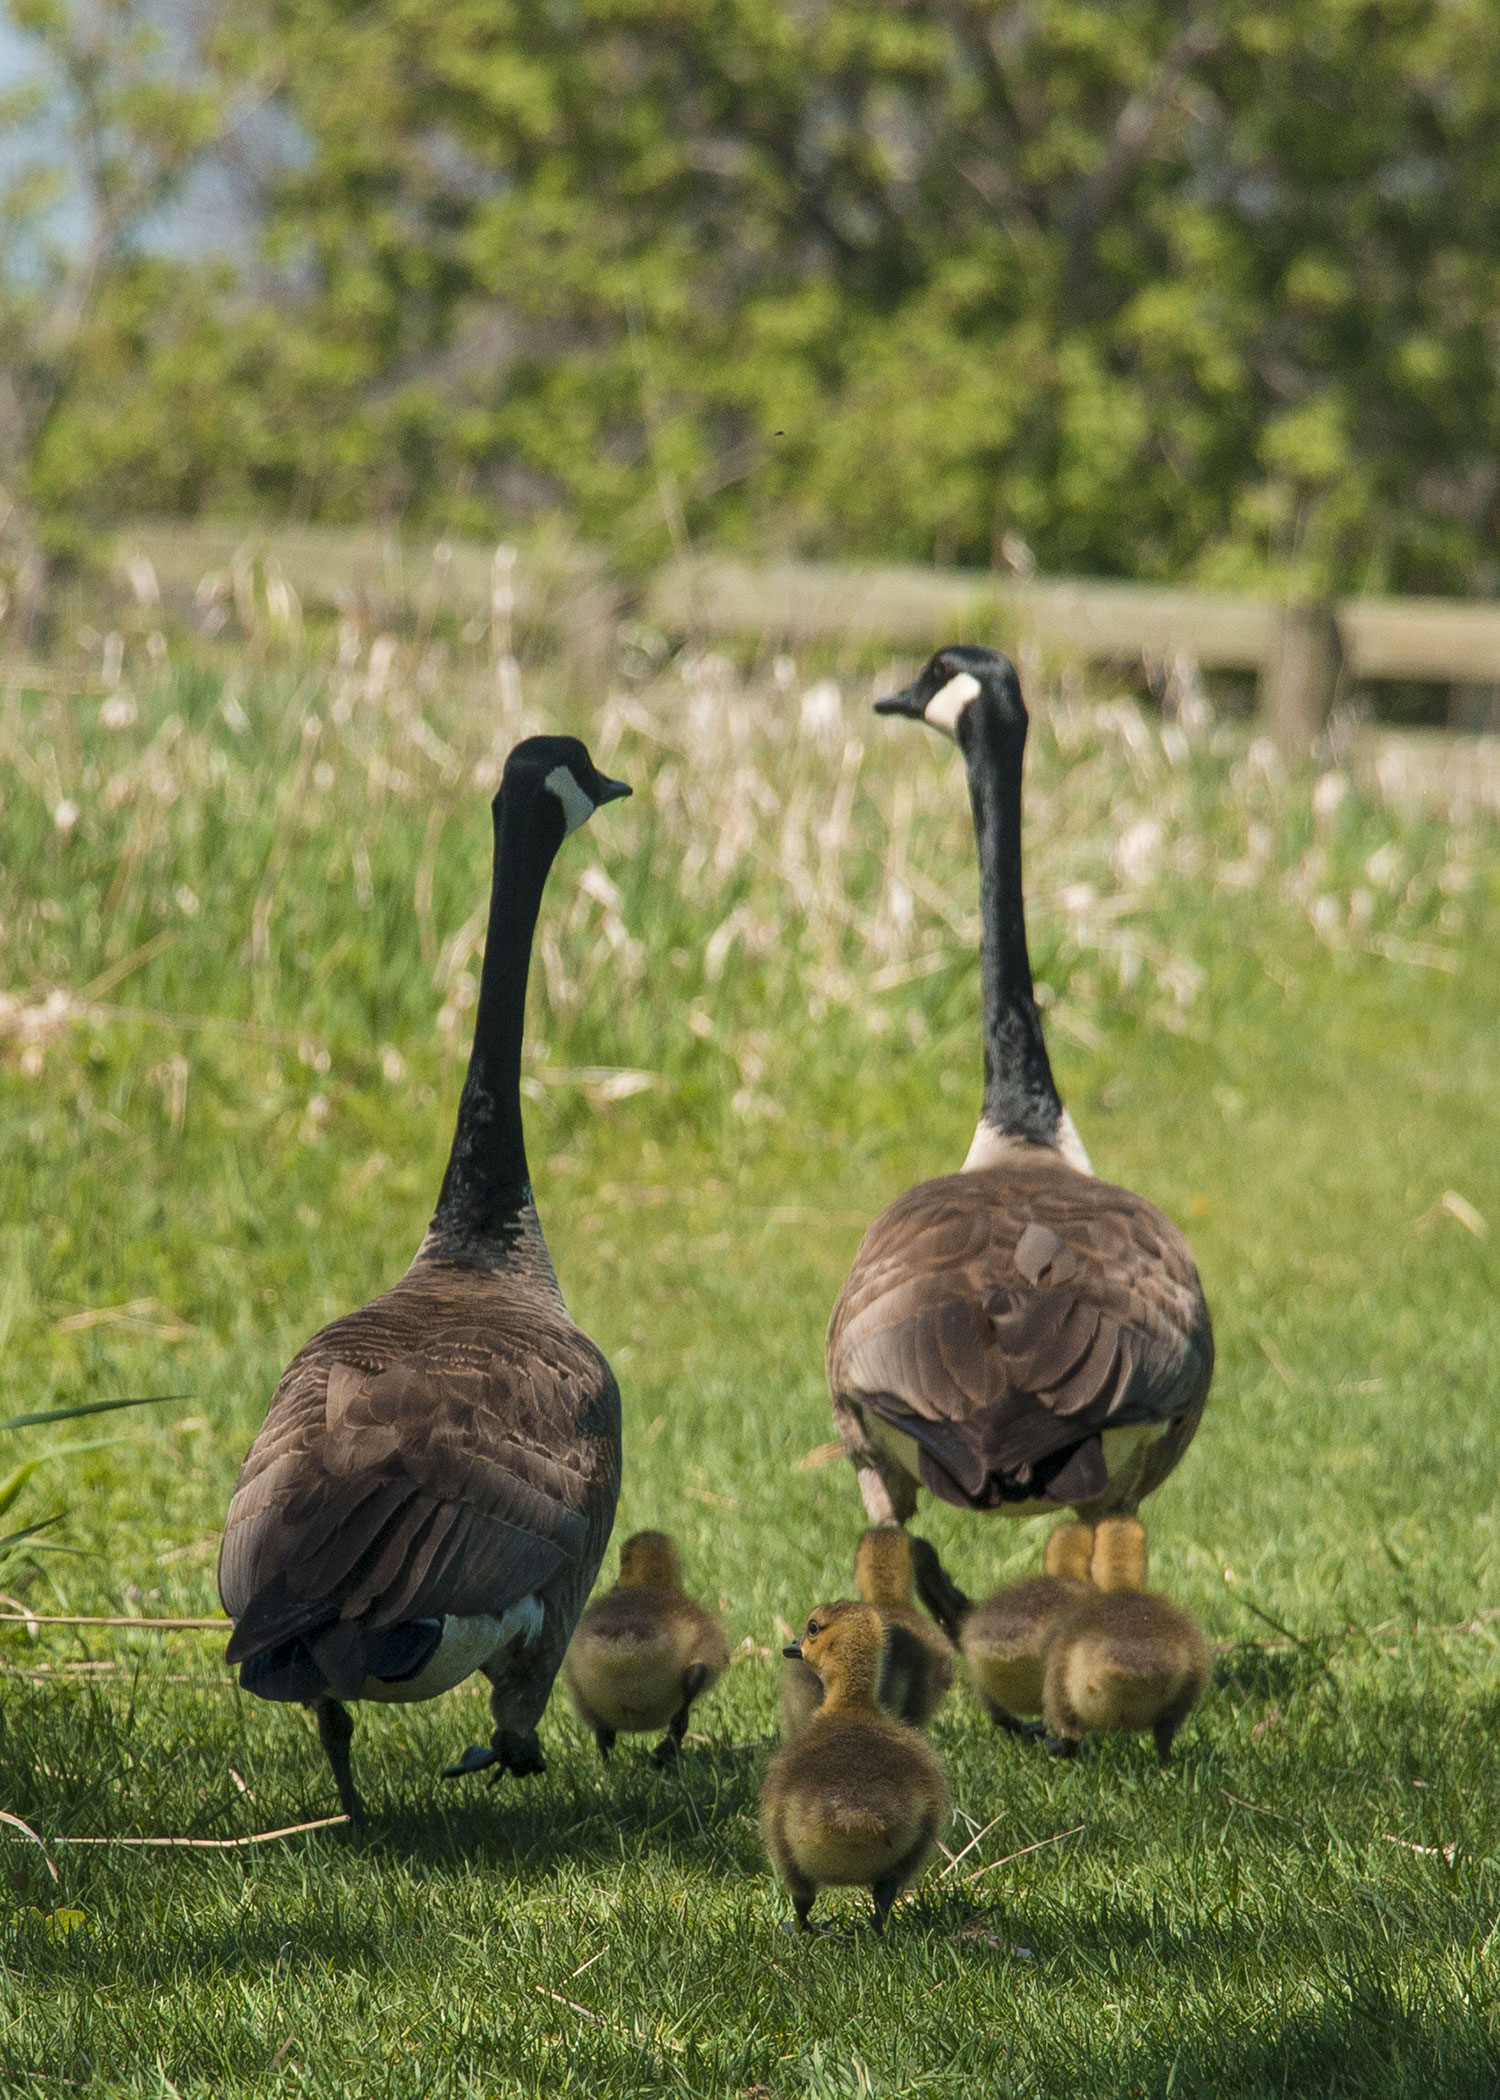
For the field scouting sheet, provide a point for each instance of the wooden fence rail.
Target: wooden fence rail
(1301, 654)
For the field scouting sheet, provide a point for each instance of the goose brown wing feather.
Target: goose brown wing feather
(393, 1483)
(1004, 1317)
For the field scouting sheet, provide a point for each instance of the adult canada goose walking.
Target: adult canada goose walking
(1018, 1336)
(433, 1488)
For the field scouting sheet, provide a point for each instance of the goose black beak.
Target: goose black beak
(907, 702)
(793, 1651)
(607, 790)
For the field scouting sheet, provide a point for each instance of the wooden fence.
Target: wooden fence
(1302, 655)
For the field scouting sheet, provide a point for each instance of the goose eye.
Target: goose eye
(813, 1626)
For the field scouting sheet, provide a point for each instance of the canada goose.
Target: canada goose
(1017, 1336)
(435, 1481)
(1124, 1659)
(1005, 1638)
(858, 1799)
(643, 1652)
(917, 1665)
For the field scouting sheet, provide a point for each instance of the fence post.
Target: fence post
(1300, 676)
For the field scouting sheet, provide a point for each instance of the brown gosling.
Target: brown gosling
(1124, 1659)
(1004, 1639)
(644, 1651)
(858, 1799)
(918, 1662)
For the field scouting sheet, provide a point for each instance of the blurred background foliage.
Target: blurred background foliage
(1191, 290)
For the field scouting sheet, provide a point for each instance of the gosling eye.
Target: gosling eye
(813, 1626)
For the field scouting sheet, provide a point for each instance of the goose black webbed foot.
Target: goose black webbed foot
(1064, 1746)
(477, 1758)
(520, 1755)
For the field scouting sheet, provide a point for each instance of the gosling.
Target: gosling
(1125, 1659)
(858, 1799)
(1004, 1639)
(918, 1662)
(644, 1651)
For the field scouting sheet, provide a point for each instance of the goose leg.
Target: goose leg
(335, 1729)
(665, 1753)
(884, 1894)
(517, 1695)
(605, 1738)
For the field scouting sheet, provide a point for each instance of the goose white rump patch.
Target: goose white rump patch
(466, 1646)
(577, 808)
(948, 703)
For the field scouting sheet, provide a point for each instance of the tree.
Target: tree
(1167, 287)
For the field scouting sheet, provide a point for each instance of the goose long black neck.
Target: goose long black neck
(485, 1204)
(1020, 1095)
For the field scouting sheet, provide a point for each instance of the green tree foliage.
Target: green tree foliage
(1148, 289)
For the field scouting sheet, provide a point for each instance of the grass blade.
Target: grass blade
(90, 1407)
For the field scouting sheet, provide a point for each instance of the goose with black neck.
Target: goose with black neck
(1019, 1337)
(435, 1481)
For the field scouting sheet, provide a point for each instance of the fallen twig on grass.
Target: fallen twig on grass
(601, 2020)
(257, 1837)
(1446, 1852)
(1039, 1846)
(32, 1618)
(573, 2006)
(955, 1857)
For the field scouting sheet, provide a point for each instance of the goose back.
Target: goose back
(450, 1452)
(1022, 1336)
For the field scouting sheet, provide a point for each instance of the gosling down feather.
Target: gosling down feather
(1005, 1639)
(1123, 1659)
(644, 1651)
(858, 1800)
(1018, 1337)
(917, 1661)
(434, 1484)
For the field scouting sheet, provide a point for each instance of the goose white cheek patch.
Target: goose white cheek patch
(948, 703)
(577, 808)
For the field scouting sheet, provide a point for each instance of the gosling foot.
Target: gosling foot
(1028, 1731)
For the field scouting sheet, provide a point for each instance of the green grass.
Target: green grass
(1280, 1025)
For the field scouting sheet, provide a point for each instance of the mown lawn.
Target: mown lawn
(1273, 1013)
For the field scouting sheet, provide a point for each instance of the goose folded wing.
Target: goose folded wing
(450, 1515)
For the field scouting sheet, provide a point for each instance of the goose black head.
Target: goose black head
(945, 693)
(560, 769)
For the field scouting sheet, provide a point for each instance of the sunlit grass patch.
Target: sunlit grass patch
(239, 960)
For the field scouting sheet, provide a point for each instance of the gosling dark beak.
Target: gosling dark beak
(607, 790)
(906, 702)
(793, 1651)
